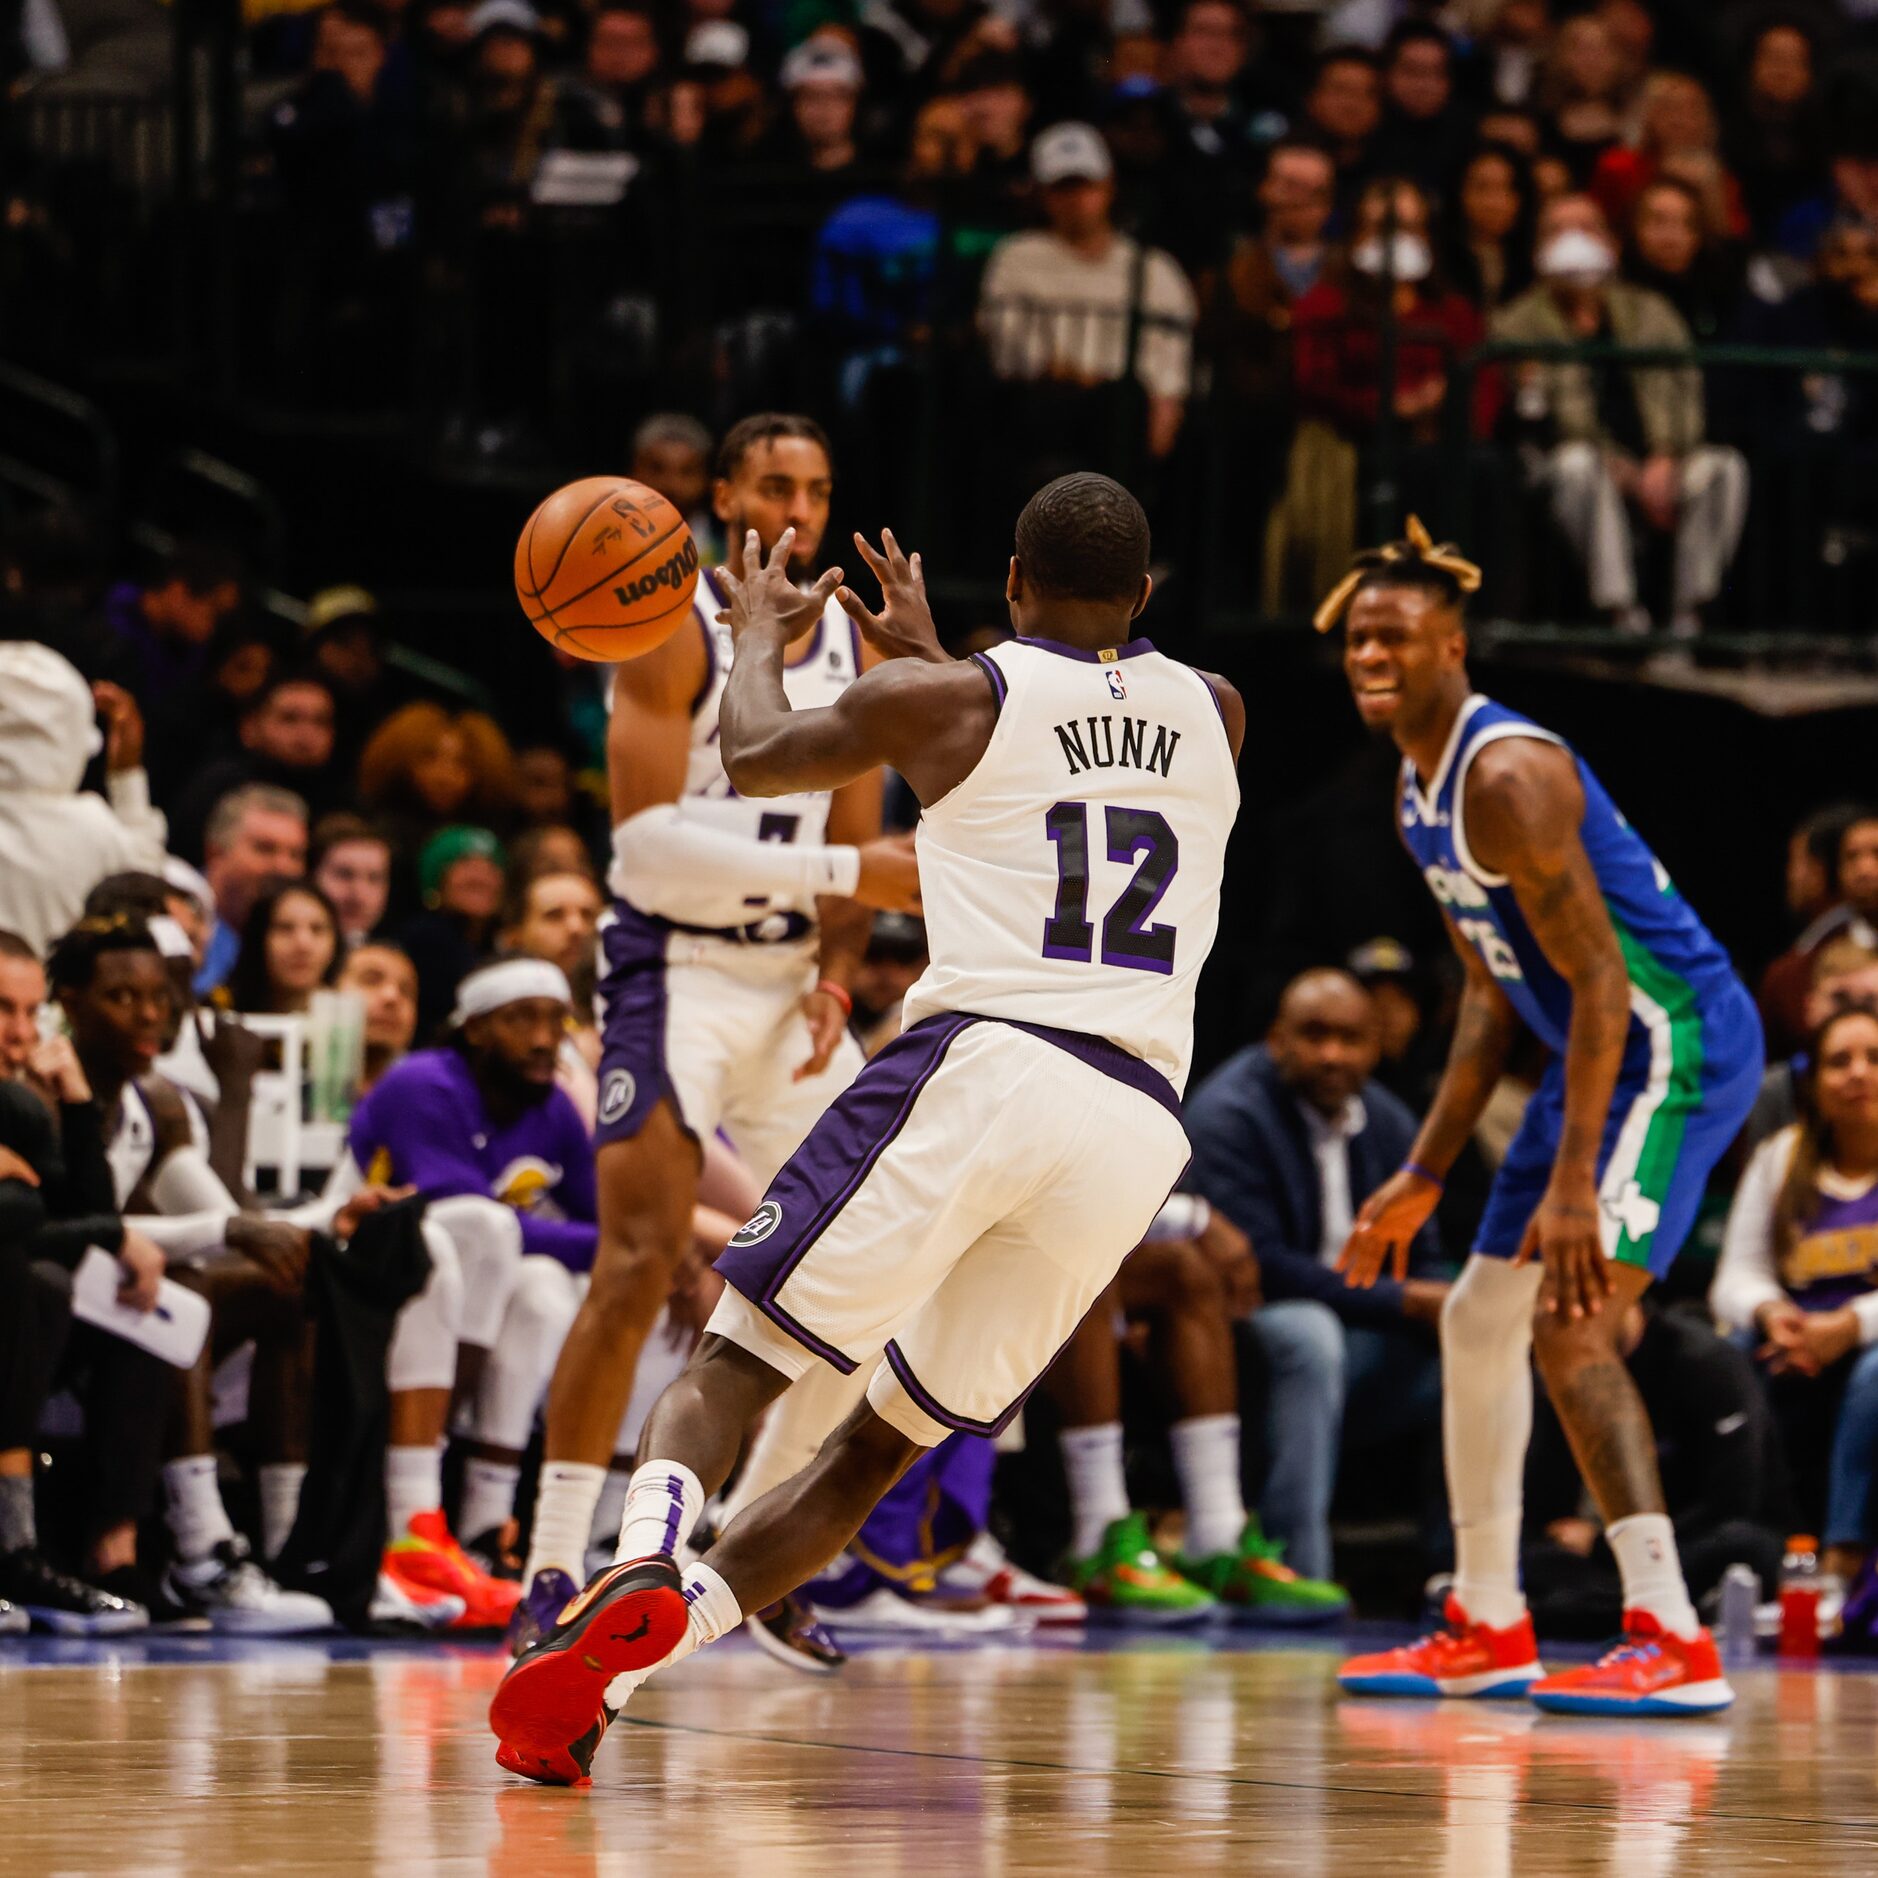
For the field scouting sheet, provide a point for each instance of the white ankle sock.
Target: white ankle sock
(1486, 1587)
(488, 1496)
(280, 1483)
(1098, 1488)
(413, 1484)
(197, 1519)
(564, 1503)
(663, 1501)
(1206, 1457)
(1645, 1545)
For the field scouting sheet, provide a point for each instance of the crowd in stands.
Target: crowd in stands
(1306, 218)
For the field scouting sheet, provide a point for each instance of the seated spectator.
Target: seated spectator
(343, 640)
(1672, 253)
(1844, 974)
(1213, 146)
(605, 106)
(553, 849)
(289, 949)
(1058, 303)
(57, 841)
(387, 982)
(504, 114)
(201, 721)
(1343, 111)
(1621, 441)
(1816, 857)
(254, 835)
(1718, 1455)
(1290, 1137)
(671, 452)
(907, 44)
(1488, 251)
(168, 623)
(1799, 1268)
(1581, 92)
(1775, 139)
(817, 143)
(998, 108)
(350, 863)
(1510, 45)
(896, 956)
(1850, 198)
(1679, 137)
(423, 769)
(544, 786)
(1425, 129)
(286, 735)
(554, 917)
(462, 873)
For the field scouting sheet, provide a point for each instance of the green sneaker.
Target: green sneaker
(1258, 1586)
(1125, 1581)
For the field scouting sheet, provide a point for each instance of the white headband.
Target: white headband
(170, 938)
(508, 983)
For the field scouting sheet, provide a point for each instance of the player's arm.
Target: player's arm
(1231, 709)
(930, 721)
(666, 864)
(1388, 1221)
(1524, 808)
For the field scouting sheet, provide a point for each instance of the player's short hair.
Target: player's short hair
(1084, 537)
(678, 427)
(73, 961)
(225, 817)
(768, 427)
(12, 946)
(135, 896)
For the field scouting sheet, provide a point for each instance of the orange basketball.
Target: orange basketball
(606, 568)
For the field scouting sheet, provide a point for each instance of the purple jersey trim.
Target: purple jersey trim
(999, 689)
(1132, 650)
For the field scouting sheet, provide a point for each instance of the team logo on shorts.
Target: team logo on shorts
(616, 1094)
(759, 1226)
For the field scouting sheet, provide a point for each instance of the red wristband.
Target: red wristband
(840, 993)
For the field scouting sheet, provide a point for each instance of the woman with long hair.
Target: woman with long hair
(1488, 252)
(289, 950)
(1799, 1269)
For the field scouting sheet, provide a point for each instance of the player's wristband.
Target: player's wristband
(1424, 1173)
(840, 993)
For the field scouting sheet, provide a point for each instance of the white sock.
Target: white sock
(413, 1484)
(198, 1521)
(610, 1509)
(488, 1496)
(1486, 1424)
(1645, 1545)
(663, 1501)
(1206, 1457)
(564, 1503)
(1098, 1488)
(280, 1484)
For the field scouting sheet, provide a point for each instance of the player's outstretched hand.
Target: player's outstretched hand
(903, 628)
(1386, 1227)
(763, 597)
(1564, 1233)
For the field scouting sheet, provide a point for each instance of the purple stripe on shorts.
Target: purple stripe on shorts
(960, 1424)
(999, 689)
(826, 1172)
(633, 1071)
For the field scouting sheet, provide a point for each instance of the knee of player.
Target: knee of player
(1563, 1344)
(486, 1233)
(632, 1276)
(543, 1298)
(1194, 1284)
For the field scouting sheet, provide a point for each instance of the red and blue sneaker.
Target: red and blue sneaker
(549, 1593)
(1649, 1672)
(550, 1710)
(1462, 1658)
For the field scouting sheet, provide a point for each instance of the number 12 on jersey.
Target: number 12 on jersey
(1127, 938)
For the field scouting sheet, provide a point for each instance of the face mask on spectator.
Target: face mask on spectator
(1578, 258)
(1412, 260)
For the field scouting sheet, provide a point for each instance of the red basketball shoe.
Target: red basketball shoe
(1461, 1658)
(1649, 1673)
(425, 1561)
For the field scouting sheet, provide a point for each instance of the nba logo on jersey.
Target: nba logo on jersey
(1118, 685)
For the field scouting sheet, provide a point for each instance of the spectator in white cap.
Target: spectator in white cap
(56, 841)
(817, 141)
(717, 58)
(1058, 303)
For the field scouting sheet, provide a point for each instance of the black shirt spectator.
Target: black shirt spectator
(1343, 110)
(1425, 129)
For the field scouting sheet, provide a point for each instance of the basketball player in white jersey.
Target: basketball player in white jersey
(727, 954)
(951, 1218)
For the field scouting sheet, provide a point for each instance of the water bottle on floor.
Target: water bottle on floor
(1740, 1592)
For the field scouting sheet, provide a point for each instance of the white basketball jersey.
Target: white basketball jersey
(1073, 878)
(132, 1146)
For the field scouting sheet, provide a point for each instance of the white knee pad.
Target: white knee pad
(488, 1240)
(1487, 1317)
(424, 1340)
(542, 1302)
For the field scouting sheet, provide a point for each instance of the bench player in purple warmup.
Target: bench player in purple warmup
(953, 1215)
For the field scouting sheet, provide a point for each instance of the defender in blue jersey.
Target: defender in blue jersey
(1564, 919)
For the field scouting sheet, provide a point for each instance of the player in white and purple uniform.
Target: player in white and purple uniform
(954, 1214)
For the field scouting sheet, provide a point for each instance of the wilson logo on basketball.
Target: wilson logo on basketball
(672, 573)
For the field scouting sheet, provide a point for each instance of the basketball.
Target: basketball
(605, 568)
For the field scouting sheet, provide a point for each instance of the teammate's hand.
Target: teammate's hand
(144, 1265)
(17, 1167)
(123, 727)
(55, 1069)
(281, 1251)
(762, 596)
(1385, 1228)
(903, 628)
(889, 880)
(826, 1021)
(1230, 1252)
(364, 1203)
(1563, 1232)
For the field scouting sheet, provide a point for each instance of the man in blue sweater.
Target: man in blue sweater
(1289, 1138)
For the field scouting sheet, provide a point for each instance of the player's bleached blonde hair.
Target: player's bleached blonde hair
(1416, 552)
